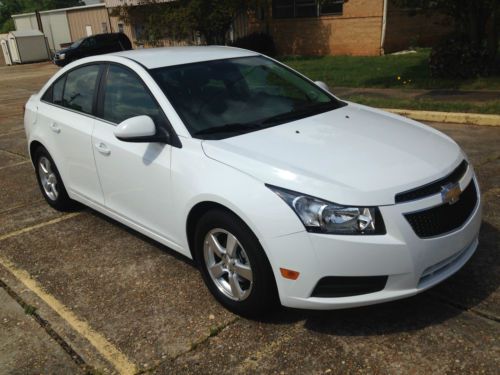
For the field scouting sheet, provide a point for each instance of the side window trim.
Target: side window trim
(100, 94)
(103, 70)
(174, 139)
(64, 78)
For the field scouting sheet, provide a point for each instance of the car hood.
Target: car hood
(353, 155)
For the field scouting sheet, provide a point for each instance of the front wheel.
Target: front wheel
(234, 265)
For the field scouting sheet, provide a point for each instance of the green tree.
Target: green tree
(181, 19)
(476, 20)
(10, 7)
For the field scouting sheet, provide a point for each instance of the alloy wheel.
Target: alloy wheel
(228, 264)
(48, 178)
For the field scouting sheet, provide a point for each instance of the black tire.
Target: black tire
(263, 295)
(60, 201)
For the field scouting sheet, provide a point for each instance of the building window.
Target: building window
(332, 7)
(120, 27)
(104, 27)
(306, 8)
(283, 8)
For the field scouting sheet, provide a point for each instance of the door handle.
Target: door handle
(102, 148)
(55, 128)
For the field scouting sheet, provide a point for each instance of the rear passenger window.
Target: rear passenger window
(79, 88)
(55, 92)
(125, 96)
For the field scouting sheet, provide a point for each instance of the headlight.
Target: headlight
(322, 216)
(62, 56)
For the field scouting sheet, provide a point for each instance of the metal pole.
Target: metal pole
(39, 20)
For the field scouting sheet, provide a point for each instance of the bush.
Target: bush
(258, 42)
(457, 57)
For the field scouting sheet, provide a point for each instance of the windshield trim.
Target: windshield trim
(336, 102)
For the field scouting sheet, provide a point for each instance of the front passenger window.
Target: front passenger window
(80, 88)
(125, 96)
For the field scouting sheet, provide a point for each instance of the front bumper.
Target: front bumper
(58, 61)
(412, 264)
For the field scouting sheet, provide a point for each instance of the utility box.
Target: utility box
(27, 46)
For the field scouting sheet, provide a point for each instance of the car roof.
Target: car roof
(153, 58)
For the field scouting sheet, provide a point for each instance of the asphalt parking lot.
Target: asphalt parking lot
(80, 293)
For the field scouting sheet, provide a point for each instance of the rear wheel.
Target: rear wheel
(234, 265)
(50, 182)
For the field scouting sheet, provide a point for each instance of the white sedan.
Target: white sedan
(279, 191)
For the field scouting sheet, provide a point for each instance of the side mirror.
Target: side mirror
(140, 129)
(323, 85)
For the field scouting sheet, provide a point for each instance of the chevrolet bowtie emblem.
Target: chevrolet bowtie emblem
(450, 193)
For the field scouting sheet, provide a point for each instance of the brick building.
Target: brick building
(331, 27)
(298, 27)
(345, 27)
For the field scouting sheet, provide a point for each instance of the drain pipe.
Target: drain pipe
(384, 23)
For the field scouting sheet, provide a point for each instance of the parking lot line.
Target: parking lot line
(36, 226)
(12, 132)
(112, 354)
(15, 164)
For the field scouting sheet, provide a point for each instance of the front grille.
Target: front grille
(346, 286)
(433, 187)
(445, 218)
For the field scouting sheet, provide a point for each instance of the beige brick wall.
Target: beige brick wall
(356, 32)
(327, 36)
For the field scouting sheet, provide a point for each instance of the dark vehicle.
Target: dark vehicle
(92, 45)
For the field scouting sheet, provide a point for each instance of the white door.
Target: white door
(14, 52)
(6, 53)
(69, 127)
(135, 177)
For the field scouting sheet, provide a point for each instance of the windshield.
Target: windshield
(223, 98)
(77, 43)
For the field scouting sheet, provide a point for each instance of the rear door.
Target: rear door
(135, 177)
(66, 109)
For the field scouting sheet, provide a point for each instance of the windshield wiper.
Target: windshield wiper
(300, 113)
(230, 128)
(282, 117)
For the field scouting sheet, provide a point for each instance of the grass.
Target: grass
(492, 107)
(29, 310)
(383, 72)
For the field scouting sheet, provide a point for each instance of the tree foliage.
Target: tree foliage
(476, 22)
(181, 19)
(10, 7)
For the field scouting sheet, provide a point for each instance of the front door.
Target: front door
(135, 177)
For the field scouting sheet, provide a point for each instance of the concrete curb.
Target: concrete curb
(453, 117)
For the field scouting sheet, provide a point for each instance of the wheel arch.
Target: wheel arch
(34, 145)
(198, 210)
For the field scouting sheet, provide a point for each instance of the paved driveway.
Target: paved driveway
(80, 292)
